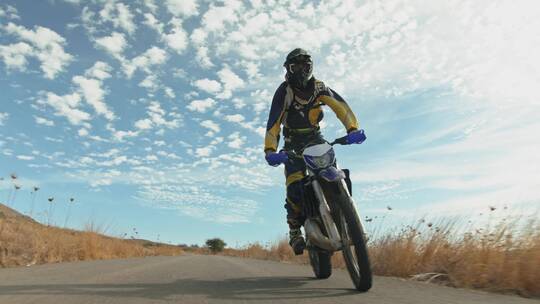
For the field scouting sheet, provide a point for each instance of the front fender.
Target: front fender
(332, 174)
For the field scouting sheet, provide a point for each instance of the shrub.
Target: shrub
(215, 245)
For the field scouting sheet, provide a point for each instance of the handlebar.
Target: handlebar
(340, 141)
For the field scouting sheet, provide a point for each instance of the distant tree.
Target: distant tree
(215, 245)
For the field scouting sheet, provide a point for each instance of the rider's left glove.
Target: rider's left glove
(274, 159)
(356, 137)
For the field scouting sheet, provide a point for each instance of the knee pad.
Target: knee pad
(294, 193)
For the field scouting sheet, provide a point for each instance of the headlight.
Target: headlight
(320, 162)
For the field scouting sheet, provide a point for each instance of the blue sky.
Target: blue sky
(151, 114)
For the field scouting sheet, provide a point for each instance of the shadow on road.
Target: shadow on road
(257, 288)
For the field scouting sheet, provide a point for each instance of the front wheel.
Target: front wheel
(321, 263)
(354, 244)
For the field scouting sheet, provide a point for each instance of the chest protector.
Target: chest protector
(303, 112)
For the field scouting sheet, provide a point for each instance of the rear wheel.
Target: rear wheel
(321, 263)
(354, 250)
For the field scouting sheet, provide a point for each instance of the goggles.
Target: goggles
(304, 65)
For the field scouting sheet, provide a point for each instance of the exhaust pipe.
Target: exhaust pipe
(315, 236)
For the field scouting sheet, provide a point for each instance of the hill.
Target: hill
(24, 241)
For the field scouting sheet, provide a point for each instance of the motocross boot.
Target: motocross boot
(296, 240)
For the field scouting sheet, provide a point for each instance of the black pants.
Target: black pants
(295, 171)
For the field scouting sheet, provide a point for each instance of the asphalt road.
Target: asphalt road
(214, 279)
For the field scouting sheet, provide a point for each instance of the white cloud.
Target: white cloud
(236, 141)
(43, 121)
(207, 85)
(125, 18)
(153, 23)
(55, 140)
(151, 57)
(151, 5)
(150, 82)
(121, 135)
(238, 103)
(168, 155)
(3, 118)
(25, 157)
(156, 118)
(48, 48)
(67, 106)
(110, 153)
(216, 140)
(261, 100)
(94, 95)
(113, 44)
(159, 143)
(103, 181)
(180, 73)
(217, 17)
(169, 92)
(100, 70)
(201, 105)
(202, 57)
(82, 132)
(182, 8)
(234, 158)
(230, 81)
(108, 10)
(89, 18)
(177, 38)
(14, 55)
(143, 124)
(119, 15)
(203, 152)
(469, 62)
(9, 12)
(210, 125)
(199, 202)
(157, 115)
(151, 158)
(198, 36)
(238, 118)
(252, 70)
(261, 131)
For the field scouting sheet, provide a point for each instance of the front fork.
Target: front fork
(326, 217)
(332, 241)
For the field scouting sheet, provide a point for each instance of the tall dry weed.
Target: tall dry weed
(504, 257)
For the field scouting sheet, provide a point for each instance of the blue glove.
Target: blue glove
(356, 137)
(274, 159)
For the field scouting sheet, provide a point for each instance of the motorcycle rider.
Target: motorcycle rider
(297, 105)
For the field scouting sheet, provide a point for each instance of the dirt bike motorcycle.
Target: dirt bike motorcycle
(332, 223)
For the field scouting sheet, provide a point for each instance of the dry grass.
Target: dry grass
(504, 257)
(26, 242)
(278, 251)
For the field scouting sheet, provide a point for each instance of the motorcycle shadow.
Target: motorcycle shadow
(254, 288)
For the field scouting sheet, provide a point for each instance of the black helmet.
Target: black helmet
(299, 68)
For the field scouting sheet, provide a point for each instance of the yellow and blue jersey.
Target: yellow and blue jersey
(296, 109)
